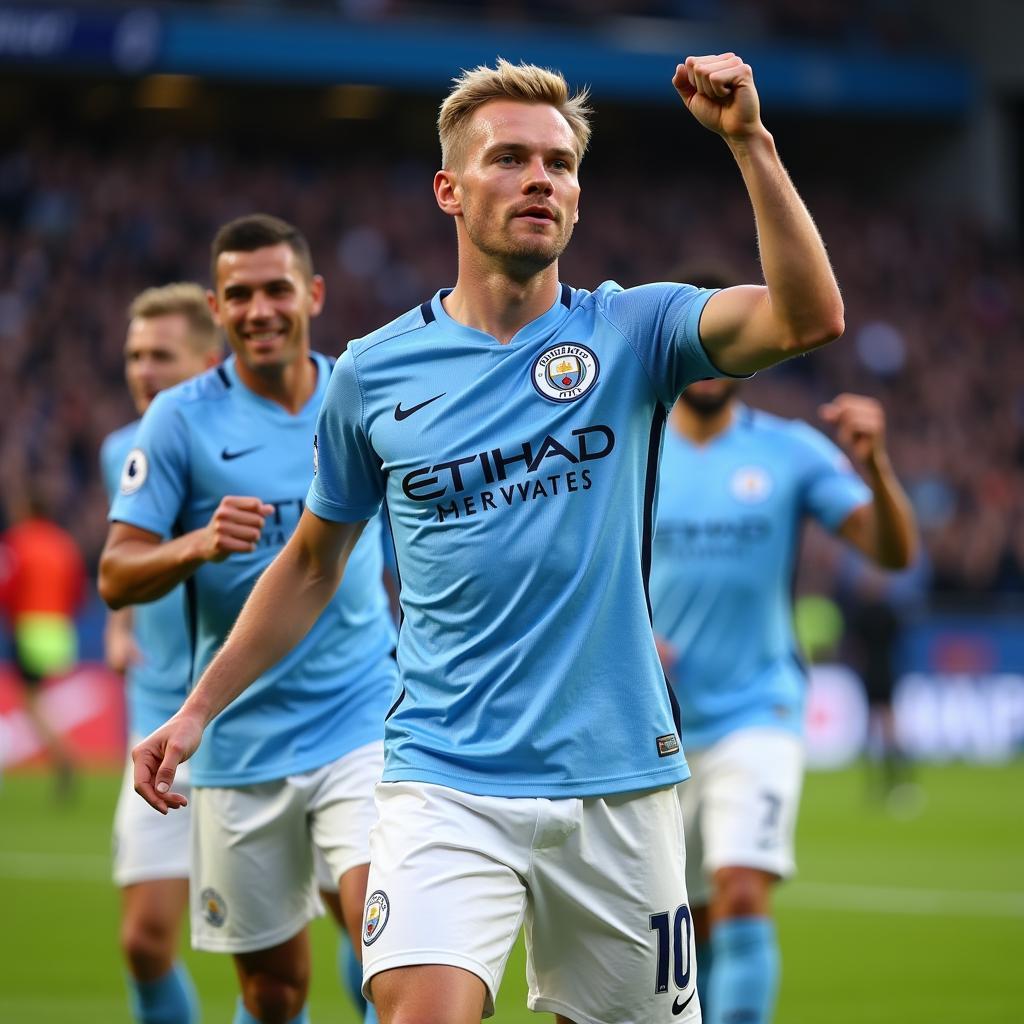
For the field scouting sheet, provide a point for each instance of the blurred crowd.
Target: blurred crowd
(887, 23)
(934, 310)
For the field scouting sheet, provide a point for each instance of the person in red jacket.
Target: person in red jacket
(42, 585)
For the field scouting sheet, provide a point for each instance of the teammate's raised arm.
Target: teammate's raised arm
(883, 528)
(800, 308)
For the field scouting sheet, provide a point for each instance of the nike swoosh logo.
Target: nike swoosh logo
(676, 1009)
(401, 414)
(228, 456)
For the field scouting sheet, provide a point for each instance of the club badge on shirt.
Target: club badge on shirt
(565, 372)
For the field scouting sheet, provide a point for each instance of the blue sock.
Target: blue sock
(745, 980)
(168, 1000)
(243, 1016)
(703, 975)
(351, 971)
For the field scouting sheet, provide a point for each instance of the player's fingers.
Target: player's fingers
(829, 412)
(234, 517)
(700, 68)
(164, 777)
(245, 502)
(145, 762)
(228, 544)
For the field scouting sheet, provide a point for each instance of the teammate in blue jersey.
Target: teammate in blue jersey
(171, 337)
(511, 426)
(211, 492)
(734, 490)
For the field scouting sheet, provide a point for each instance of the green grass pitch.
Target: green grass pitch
(891, 921)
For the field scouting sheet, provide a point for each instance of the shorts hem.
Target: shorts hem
(150, 873)
(781, 871)
(354, 862)
(422, 957)
(253, 945)
(540, 1004)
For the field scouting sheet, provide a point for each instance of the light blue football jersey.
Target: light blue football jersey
(520, 484)
(157, 684)
(211, 437)
(729, 519)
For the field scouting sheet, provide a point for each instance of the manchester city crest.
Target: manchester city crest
(215, 910)
(751, 485)
(375, 917)
(565, 372)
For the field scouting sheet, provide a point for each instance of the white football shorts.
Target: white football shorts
(740, 806)
(598, 883)
(253, 879)
(150, 846)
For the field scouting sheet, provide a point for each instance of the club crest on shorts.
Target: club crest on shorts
(751, 485)
(136, 469)
(215, 910)
(565, 372)
(376, 917)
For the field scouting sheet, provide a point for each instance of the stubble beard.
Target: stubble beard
(518, 259)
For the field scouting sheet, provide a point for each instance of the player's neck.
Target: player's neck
(700, 428)
(289, 386)
(489, 300)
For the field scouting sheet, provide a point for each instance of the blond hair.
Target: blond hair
(187, 299)
(526, 83)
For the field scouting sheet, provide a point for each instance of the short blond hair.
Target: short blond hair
(187, 299)
(526, 83)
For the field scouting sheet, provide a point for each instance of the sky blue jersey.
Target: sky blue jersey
(729, 519)
(519, 481)
(158, 682)
(204, 439)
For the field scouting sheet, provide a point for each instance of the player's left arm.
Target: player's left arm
(799, 308)
(280, 610)
(883, 528)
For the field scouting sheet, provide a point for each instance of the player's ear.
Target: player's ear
(446, 192)
(317, 294)
(211, 301)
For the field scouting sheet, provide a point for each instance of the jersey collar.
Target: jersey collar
(541, 328)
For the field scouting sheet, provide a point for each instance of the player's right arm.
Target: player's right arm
(138, 565)
(280, 611)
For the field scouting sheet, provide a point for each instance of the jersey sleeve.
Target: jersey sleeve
(112, 455)
(662, 324)
(348, 480)
(831, 489)
(153, 480)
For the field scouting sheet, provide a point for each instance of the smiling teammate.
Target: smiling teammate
(220, 467)
(171, 337)
(512, 426)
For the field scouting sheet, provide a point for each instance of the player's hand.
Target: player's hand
(859, 424)
(234, 528)
(120, 649)
(719, 91)
(157, 757)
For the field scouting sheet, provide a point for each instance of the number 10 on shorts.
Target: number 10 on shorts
(674, 934)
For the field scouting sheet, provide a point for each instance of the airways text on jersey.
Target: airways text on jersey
(519, 473)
